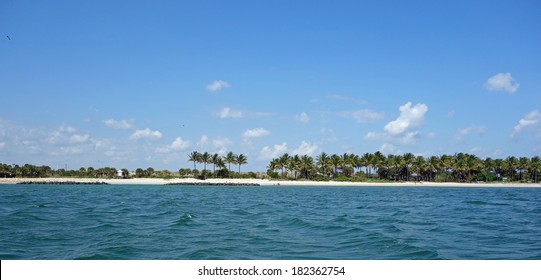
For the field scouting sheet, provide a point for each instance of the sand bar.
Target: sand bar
(261, 182)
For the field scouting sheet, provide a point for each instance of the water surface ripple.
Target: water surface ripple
(185, 222)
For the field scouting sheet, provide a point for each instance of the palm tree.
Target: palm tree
(335, 162)
(283, 161)
(488, 164)
(214, 160)
(473, 164)
(293, 165)
(535, 167)
(345, 162)
(378, 161)
(499, 167)
(447, 162)
(523, 163)
(219, 162)
(366, 161)
(434, 164)
(205, 158)
(408, 161)
(322, 162)
(195, 157)
(273, 165)
(512, 164)
(306, 164)
(419, 166)
(230, 158)
(241, 159)
(391, 163)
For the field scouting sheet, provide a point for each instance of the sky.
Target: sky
(130, 84)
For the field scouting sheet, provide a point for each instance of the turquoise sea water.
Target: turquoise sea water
(184, 222)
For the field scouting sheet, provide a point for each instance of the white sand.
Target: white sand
(155, 181)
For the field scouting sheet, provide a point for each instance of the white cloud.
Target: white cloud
(373, 136)
(226, 113)
(476, 150)
(77, 138)
(268, 153)
(68, 151)
(255, 133)
(363, 115)
(462, 133)
(303, 118)
(405, 129)
(410, 118)
(146, 133)
(121, 124)
(222, 144)
(203, 141)
(305, 148)
(217, 86)
(387, 148)
(66, 128)
(2, 145)
(502, 82)
(328, 136)
(531, 120)
(178, 145)
(64, 135)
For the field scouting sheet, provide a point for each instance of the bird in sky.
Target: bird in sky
(8, 37)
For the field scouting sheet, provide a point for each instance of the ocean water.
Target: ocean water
(185, 222)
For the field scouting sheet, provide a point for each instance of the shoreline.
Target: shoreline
(251, 182)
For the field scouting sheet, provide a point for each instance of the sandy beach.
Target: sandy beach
(261, 182)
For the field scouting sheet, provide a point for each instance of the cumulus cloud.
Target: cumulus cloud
(303, 118)
(404, 130)
(255, 133)
(531, 120)
(217, 85)
(145, 133)
(178, 145)
(228, 113)
(268, 153)
(502, 82)
(410, 118)
(121, 124)
(305, 148)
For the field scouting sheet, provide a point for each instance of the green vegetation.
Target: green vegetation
(460, 167)
(217, 162)
(368, 167)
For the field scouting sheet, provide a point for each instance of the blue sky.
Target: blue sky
(134, 84)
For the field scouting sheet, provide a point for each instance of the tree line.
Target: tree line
(44, 171)
(221, 168)
(460, 167)
(223, 163)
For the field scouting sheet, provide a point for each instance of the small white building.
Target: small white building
(119, 173)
